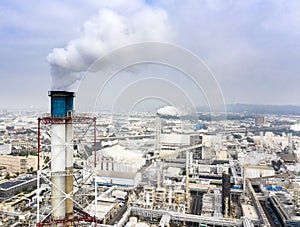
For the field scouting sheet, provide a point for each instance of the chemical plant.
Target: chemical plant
(152, 170)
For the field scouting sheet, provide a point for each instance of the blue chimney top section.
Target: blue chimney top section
(61, 103)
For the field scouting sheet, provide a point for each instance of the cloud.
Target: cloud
(252, 47)
(109, 29)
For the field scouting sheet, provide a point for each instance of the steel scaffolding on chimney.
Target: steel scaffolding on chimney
(59, 174)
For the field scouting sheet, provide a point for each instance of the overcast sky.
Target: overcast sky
(252, 47)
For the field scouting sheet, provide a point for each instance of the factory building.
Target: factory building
(9, 188)
(18, 146)
(119, 166)
(282, 209)
(172, 142)
(168, 197)
(255, 171)
(106, 209)
(18, 164)
(119, 159)
(127, 179)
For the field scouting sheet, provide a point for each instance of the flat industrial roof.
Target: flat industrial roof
(11, 184)
(249, 211)
(258, 167)
(102, 208)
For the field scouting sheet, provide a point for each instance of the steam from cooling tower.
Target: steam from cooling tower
(106, 31)
(295, 127)
(173, 111)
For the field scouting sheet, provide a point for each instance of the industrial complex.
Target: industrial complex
(148, 170)
(150, 113)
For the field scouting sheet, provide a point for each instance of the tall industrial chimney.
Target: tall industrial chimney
(61, 154)
(290, 141)
(225, 194)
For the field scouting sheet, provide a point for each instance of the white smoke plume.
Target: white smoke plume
(106, 31)
(173, 111)
(295, 127)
